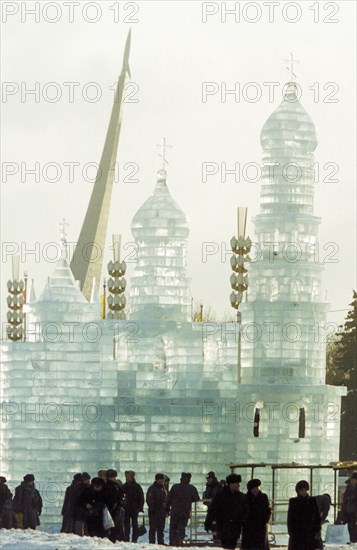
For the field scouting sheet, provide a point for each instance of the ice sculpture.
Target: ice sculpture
(158, 392)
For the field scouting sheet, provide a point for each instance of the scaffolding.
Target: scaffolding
(336, 467)
(198, 513)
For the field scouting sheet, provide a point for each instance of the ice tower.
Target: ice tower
(160, 286)
(284, 334)
(284, 296)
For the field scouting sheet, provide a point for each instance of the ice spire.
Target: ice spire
(87, 259)
(61, 286)
(32, 293)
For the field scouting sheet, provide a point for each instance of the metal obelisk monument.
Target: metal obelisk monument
(88, 255)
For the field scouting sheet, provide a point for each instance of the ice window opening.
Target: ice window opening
(256, 422)
(302, 423)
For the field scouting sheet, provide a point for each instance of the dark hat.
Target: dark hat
(129, 473)
(112, 473)
(354, 475)
(186, 475)
(98, 481)
(302, 485)
(210, 474)
(233, 478)
(29, 477)
(2, 479)
(77, 478)
(159, 476)
(253, 483)
(85, 475)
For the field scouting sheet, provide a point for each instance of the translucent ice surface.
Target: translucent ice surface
(157, 392)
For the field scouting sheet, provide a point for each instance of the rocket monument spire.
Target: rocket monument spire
(88, 255)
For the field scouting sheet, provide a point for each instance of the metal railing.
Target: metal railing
(197, 520)
(279, 505)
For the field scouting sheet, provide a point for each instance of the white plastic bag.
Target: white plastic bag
(108, 522)
(337, 534)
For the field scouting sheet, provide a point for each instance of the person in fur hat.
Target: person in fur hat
(304, 521)
(178, 504)
(69, 505)
(93, 501)
(27, 503)
(229, 511)
(255, 536)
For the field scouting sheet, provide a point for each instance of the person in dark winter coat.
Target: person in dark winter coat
(255, 536)
(5, 493)
(349, 507)
(156, 501)
(80, 514)
(114, 497)
(179, 502)
(323, 504)
(229, 511)
(7, 515)
(213, 486)
(69, 505)
(134, 503)
(92, 500)
(27, 503)
(304, 522)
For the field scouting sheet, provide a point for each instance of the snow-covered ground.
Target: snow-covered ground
(39, 540)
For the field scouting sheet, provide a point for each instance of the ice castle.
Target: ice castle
(158, 392)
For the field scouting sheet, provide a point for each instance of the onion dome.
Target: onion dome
(288, 139)
(289, 126)
(160, 216)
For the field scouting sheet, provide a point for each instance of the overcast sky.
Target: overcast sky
(173, 53)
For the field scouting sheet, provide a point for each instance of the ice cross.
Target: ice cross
(291, 62)
(163, 146)
(62, 226)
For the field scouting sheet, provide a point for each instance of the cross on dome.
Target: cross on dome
(162, 154)
(62, 226)
(290, 68)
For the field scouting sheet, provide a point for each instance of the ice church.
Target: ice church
(156, 391)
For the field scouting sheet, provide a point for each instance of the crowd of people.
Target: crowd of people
(105, 507)
(86, 499)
